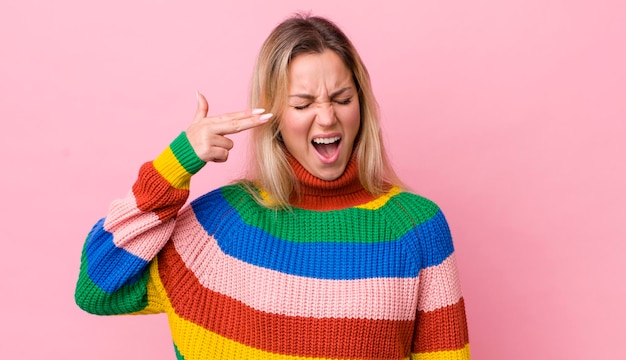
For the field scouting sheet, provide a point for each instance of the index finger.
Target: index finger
(241, 121)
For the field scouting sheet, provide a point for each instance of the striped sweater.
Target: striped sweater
(342, 275)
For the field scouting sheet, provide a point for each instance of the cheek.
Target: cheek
(351, 118)
(294, 127)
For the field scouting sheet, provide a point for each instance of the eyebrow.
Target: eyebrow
(332, 95)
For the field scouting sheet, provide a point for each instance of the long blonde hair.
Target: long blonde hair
(269, 168)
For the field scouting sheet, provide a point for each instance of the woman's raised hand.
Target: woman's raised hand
(207, 134)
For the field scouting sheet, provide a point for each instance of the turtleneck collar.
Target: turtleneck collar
(317, 194)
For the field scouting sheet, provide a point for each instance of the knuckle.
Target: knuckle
(236, 125)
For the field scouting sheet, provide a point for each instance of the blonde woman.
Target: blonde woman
(318, 253)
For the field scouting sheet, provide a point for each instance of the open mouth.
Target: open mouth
(326, 147)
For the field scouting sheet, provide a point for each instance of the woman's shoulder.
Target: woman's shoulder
(406, 206)
(428, 226)
(410, 200)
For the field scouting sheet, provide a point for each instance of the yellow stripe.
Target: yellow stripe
(155, 292)
(381, 201)
(461, 354)
(267, 199)
(168, 166)
(372, 205)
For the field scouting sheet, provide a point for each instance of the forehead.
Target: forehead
(318, 72)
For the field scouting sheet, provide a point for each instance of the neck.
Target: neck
(317, 194)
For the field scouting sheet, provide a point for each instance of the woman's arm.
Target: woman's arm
(441, 325)
(119, 248)
(113, 276)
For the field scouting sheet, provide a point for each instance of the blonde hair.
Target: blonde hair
(269, 168)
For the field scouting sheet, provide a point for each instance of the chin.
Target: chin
(330, 177)
(331, 174)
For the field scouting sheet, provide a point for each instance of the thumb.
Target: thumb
(203, 106)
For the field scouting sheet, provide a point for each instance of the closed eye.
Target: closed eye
(301, 107)
(344, 101)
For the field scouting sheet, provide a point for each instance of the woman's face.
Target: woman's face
(322, 116)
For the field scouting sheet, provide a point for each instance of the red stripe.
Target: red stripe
(288, 335)
(154, 193)
(441, 329)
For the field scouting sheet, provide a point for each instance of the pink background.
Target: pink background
(510, 114)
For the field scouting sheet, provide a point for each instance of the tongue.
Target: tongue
(326, 150)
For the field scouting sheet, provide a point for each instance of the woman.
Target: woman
(318, 254)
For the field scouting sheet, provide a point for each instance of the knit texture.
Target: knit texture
(341, 275)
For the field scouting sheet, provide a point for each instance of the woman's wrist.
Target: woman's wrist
(178, 162)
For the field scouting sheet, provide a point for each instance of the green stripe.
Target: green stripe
(399, 215)
(185, 154)
(179, 356)
(91, 298)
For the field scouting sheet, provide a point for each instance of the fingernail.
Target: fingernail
(197, 95)
(258, 111)
(265, 117)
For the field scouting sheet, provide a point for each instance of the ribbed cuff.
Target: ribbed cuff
(186, 156)
(178, 162)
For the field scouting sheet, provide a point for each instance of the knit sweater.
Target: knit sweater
(340, 275)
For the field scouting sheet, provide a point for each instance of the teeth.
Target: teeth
(326, 140)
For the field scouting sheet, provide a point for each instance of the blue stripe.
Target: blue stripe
(108, 266)
(434, 243)
(435, 240)
(425, 245)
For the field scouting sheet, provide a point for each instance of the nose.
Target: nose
(325, 115)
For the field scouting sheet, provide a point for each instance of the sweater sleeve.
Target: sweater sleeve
(441, 326)
(114, 276)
